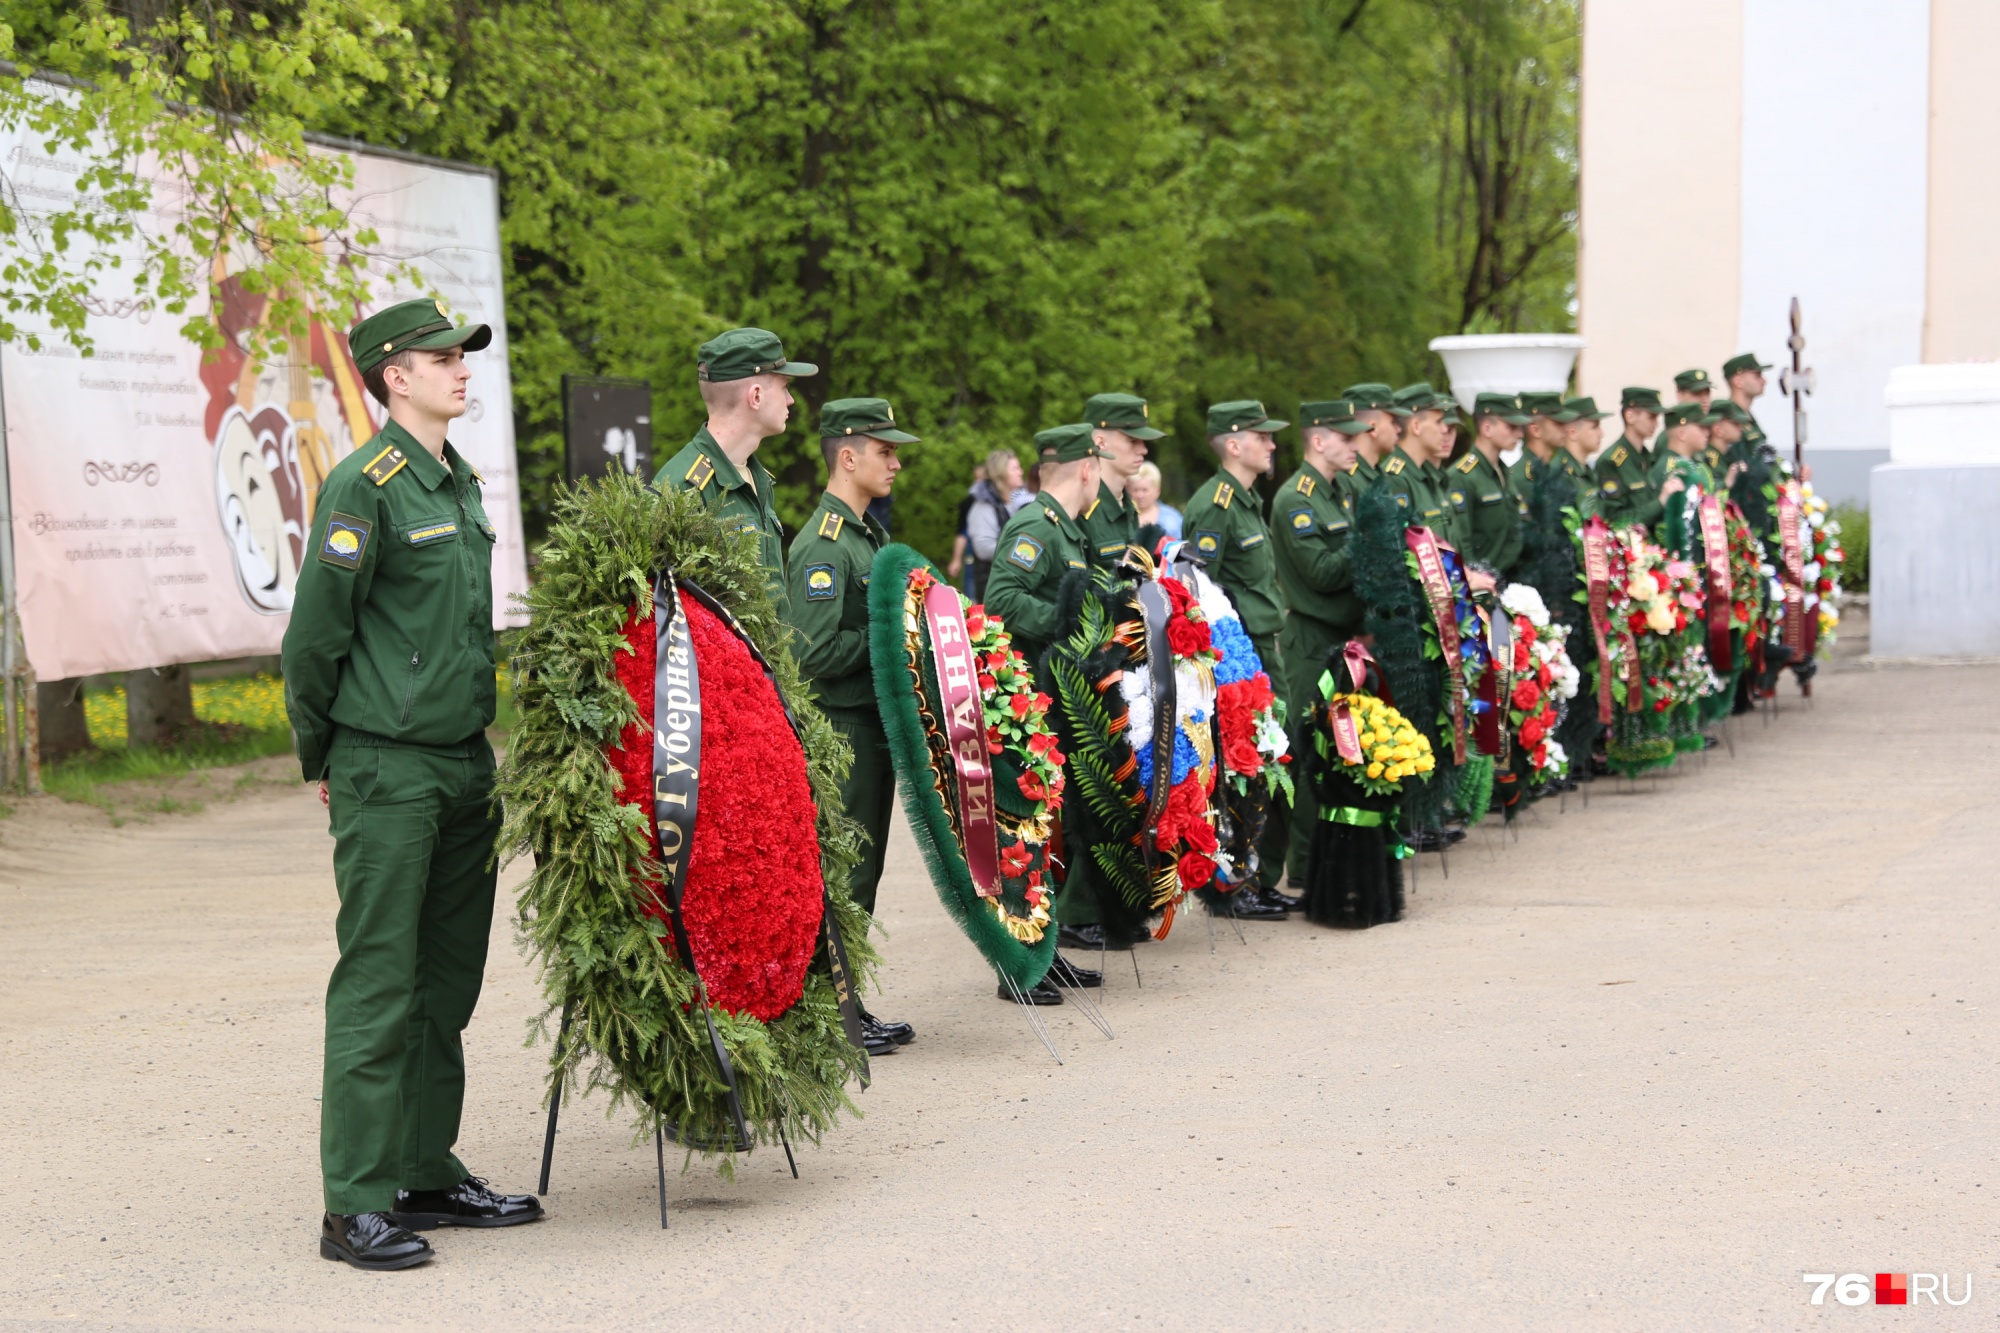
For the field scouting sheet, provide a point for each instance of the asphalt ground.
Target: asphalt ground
(1641, 1067)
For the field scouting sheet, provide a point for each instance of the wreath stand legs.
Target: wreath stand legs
(1028, 1012)
(1078, 997)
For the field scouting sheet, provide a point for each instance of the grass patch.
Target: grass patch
(83, 778)
(1853, 520)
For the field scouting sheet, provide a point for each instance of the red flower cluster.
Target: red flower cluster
(753, 896)
(1236, 707)
(1184, 825)
(1187, 629)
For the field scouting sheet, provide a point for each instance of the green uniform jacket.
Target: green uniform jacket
(1229, 535)
(1109, 526)
(1039, 546)
(1496, 512)
(1626, 493)
(1415, 495)
(1309, 529)
(826, 590)
(743, 501)
(392, 622)
(1457, 506)
(1363, 479)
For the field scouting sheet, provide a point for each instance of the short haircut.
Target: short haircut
(716, 395)
(1306, 433)
(1220, 443)
(372, 380)
(831, 445)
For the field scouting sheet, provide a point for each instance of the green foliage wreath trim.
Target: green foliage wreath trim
(636, 1030)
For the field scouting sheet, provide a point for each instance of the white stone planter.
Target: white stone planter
(1507, 363)
(1944, 415)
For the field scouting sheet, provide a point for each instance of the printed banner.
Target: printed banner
(965, 731)
(1444, 613)
(1792, 569)
(162, 499)
(1721, 587)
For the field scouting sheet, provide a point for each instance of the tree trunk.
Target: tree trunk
(159, 705)
(64, 730)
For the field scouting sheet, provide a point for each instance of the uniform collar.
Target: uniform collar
(421, 465)
(1118, 503)
(1408, 461)
(725, 471)
(1060, 517)
(864, 520)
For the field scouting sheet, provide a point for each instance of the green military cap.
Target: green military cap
(407, 325)
(1333, 414)
(1542, 404)
(1449, 405)
(1373, 398)
(1503, 405)
(1067, 443)
(862, 416)
(1419, 397)
(1121, 411)
(1582, 409)
(1688, 414)
(1736, 365)
(741, 353)
(1728, 408)
(1241, 414)
(1635, 396)
(1692, 381)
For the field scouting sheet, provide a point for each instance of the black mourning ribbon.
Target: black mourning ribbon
(1156, 607)
(832, 948)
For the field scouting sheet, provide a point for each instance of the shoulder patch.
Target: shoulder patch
(829, 523)
(1223, 495)
(1402, 500)
(1093, 506)
(1207, 544)
(1619, 455)
(821, 584)
(1025, 552)
(1458, 499)
(1466, 464)
(700, 472)
(1302, 520)
(385, 465)
(346, 538)
(1610, 488)
(1394, 467)
(1306, 484)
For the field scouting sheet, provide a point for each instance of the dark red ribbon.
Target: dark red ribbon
(965, 731)
(1721, 590)
(1444, 614)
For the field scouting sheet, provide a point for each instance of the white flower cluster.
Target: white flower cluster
(1521, 599)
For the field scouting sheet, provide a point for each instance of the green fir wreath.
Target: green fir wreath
(637, 1029)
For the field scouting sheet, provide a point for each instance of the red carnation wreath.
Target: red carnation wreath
(753, 898)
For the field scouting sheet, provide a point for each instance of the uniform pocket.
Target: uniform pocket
(357, 769)
(410, 687)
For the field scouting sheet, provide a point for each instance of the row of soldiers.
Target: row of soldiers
(1288, 570)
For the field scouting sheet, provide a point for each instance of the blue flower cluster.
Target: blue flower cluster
(1184, 755)
(1239, 655)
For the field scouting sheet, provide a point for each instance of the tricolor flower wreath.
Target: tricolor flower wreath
(1009, 926)
(1825, 560)
(768, 835)
(1250, 724)
(1474, 793)
(1544, 682)
(1185, 838)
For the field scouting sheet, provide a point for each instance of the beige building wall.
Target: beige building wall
(1962, 281)
(1661, 133)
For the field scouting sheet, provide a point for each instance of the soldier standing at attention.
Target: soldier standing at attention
(1693, 386)
(1495, 509)
(1310, 521)
(1110, 522)
(1426, 439)
(827, 595)
(1678, 463)
(1406, 478)
(746, 384)
(1375, 407)
(1583, 432)
(1623, 472)
(388, 665)
(1038, 548)
(1228, 534)
(1546, 445)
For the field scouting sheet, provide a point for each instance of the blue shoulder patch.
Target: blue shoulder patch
(346, 538)
(1025, 552)
(821, 585)
(1207, 544)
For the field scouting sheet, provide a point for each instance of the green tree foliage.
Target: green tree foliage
(984, 210)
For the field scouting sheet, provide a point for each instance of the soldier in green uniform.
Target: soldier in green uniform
(1038, 548)
(1227, 532)
(1496, 511)
(389, 685)
(1546, 445)
(1375, 407)
(1625, 493)
(1405, 477)
(746, 385)
(827, 604)
(1583, 433)
(1679, 463)
(1425, 438)
(1110, 522)
(1694, 386)
(1755, 491)
(1309, 527)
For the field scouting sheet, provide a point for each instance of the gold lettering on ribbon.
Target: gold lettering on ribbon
(1794, 565)
(965, 735)
(1721, 588)
(1444, 614)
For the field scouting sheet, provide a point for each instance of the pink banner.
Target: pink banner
(1444, 614)
(1721, 587)
(162, 498)
(1792, 569)
(965, 731)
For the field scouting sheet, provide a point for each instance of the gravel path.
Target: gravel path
(1640, 1069)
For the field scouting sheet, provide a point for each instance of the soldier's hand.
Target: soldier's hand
(1673, 486)
(324, 797)
(1735, 471)
(1479, 579)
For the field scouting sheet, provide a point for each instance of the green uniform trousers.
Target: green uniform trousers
(1306, 644)
(414, 833)
(869, 793)
(1277, 824)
